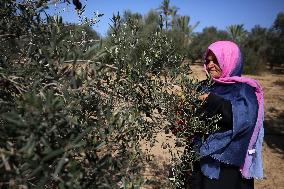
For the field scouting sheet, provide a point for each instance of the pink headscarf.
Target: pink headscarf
(230, 61)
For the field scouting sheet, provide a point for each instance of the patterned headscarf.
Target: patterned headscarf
(230, 61)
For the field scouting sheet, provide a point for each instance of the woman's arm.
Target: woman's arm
(216, 105)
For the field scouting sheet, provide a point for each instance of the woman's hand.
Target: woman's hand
(203, 97)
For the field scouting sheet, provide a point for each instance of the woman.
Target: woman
(231, 157)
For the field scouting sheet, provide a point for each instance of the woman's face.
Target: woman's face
(212, 65)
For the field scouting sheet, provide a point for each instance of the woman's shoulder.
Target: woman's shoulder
(246, 88)
(247, 92)
(234, 90)
(237, 87)
(242, 90)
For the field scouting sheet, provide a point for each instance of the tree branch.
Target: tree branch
(8, 35)
(90, 61)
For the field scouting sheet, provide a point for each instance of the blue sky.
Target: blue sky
(219, 13)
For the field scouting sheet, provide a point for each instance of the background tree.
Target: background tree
(152, 22)
(255, 49)
(165, 9)
(184, 26)
(174, 15)
(128, 15)
(201, 41)
(276, 39)
(237, 33)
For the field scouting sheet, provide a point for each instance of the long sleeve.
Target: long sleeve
(216, 105)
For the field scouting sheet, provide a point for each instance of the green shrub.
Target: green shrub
(70, 125)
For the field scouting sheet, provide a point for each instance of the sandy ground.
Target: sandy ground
(273, 146)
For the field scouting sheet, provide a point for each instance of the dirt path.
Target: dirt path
(273, 146)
